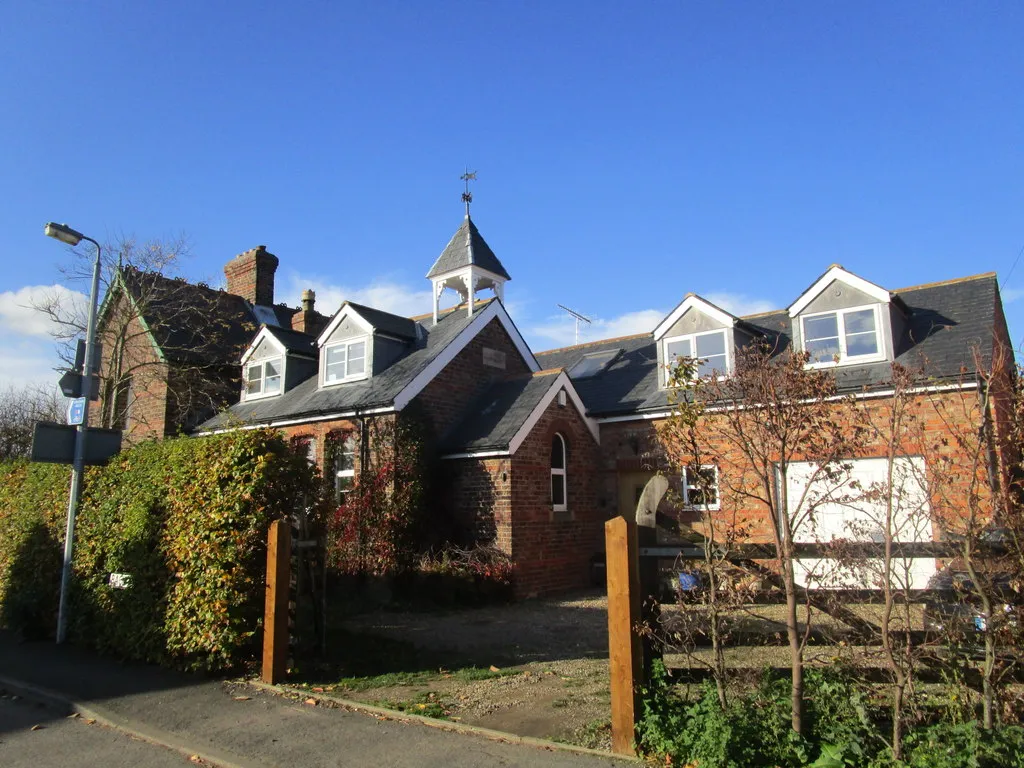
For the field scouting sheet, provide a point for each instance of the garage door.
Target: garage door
(848, 502)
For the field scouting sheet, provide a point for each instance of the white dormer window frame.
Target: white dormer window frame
(842, 337)
(348, 375)
(262, 380)
(729, 353)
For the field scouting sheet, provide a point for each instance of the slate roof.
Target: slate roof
(466, 247)
(945, 321)
(498, 414)
(193, 324)
(385, 322)
(307, 399)
(296, 342)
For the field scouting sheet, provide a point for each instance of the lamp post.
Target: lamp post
(66, 234)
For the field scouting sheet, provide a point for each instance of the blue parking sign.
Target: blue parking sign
(76, 411)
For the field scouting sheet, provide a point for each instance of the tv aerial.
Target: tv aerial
(578, 317)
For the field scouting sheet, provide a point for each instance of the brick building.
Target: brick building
(171, 348)
(539, 449)
(542, 448)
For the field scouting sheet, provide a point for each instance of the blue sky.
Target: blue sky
(627, 153)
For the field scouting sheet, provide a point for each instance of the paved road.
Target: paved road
(60, 741)
(238, 725)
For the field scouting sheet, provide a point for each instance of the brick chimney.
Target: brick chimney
(307, 319)
(251, 275)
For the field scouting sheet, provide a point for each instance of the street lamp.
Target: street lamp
(66, 234)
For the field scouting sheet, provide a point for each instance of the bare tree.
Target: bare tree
(20, 409)
(170, 347)
(976, 506)
(772, 415)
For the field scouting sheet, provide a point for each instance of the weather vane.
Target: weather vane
(467, 196)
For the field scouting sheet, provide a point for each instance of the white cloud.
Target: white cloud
(29, 362)
(560, 330)
(1010, 295)
(30, 354)
(740, 304)
(18, 314)
(381, 294)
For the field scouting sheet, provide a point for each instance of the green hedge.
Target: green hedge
(186, 518)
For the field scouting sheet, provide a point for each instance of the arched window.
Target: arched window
(558, 464)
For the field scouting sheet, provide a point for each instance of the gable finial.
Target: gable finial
(467, 196)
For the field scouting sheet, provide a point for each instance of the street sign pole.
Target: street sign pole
(78, 467)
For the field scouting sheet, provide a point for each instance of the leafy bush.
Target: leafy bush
(965, 745)
(753, 730)
(187, 519)
(33, 510)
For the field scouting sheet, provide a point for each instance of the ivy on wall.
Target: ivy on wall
(185, 519)
(376, 528)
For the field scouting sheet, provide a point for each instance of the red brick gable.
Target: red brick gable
(445, 399)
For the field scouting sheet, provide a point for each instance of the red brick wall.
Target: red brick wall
(445, 399)
(628, 446)
(481, 500)
(123, 336)
(552, 550)
(317, 432)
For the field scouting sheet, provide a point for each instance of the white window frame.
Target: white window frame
(688, 486)
(692, 337)
(365, 340)
(560, 472)
(262, 365)
(845, 359)
(350, 472)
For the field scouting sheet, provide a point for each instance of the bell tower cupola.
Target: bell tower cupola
(467, 265)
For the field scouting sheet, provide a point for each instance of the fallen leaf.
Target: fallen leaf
(319, 690)
(90, 721)
(311, 702)
(38, 727)
(73, 715)
(195, 758)
(242, 698)
(494, 668)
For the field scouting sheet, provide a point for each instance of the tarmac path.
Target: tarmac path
(232, 724)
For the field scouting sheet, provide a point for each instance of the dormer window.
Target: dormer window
(263, 378)
(843, 336)
(345, 361)
(710, 351)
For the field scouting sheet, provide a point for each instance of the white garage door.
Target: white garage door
(848, 502)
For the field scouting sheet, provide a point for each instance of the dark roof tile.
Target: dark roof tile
(499, 414)
(466, 247)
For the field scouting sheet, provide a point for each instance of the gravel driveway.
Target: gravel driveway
(572, 627)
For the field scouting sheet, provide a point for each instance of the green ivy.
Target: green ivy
(186, 518)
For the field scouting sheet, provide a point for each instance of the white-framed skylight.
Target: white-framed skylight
(593, 363)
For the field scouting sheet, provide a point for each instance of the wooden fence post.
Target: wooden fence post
(624, 655)
(275, 618)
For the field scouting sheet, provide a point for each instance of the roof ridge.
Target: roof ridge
(593, 343)
(938, 283)
(445, 312)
